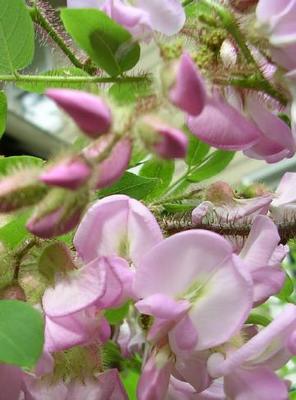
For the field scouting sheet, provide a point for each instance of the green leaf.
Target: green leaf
(178, 208)
(160, 169)
(132, 185)
(14, 232)
(8, 164)
(3, 112)
(258, 319)
(216, 163)
(40, 87)
(128, 92)
(17, 37)
(130, 380)
(108, 44)
(21, 334)
(116, 315)
(197, 150)
(287, 290)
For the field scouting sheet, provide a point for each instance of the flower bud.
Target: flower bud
(228, 53)
(219, 193)
(186, 87)
(21, 189)
(162, 139)
(13, 292)
(58, 213)
(243, 5)
(90, 112)
(70, 173)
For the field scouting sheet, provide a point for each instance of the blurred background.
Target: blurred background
(37, 127)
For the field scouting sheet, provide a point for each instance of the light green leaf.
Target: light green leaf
(21, 333)
(287, 290)
(132, 185)
(14, 232)
(160, 169)
(108, 44)
(40, 87)
(16, 36)
(216, 163)
(178, 208)
(130, 380)
(197, 150)
(116, 315)
(258, 319)
(3, 112)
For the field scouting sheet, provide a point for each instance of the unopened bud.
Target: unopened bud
(186, 88)
(228, 53)
(70, 173)
(21, 189)
(13, 292)
(90, 112)
(112, 168)
(243, 5)
(58, 213)
(162, 139)
(220, 192)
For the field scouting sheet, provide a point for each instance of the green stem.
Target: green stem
(187, 2)
(43, 22)
(72, 79)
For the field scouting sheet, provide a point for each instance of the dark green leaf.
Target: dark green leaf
(116, 315)
(160, 169)
(40, 87)
(9, 164)
(216, 163)
(132, 185)
(3, 112)
(128, 92)
(21, 333)
(16, 36)
(197, 150)
(14, 232)
(108, 44)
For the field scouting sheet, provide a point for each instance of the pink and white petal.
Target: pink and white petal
(222, 304)
(214, 392)
(267, 150)
(80, 289)
(84, 327)
(286, 190)
(261, 243)
(194, 371)
(179, 390)
(106, 386)
(167, 16)
(259, 384)
(154, 381)
(162, 306)
(271, 10)
(36, 389)
(267, 282)
(201, 211)
(45, 364)
(229, 130)
(10, 381)
(126, 277)
(199, 252)
(117, 226)
(261, 348)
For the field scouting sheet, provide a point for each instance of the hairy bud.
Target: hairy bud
(58, 213)
(243, 5)
(13, 292)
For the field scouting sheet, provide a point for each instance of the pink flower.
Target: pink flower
(276, 18)
(248, 371)
(167, 16)
(182, 293)
(70, 173)
(91, 113)
(284, 205)
(163, 139)
(188, 90)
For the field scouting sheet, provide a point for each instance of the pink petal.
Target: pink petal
(286, 190)
(188, 92)
(183, 337)
(229, 130)
(90, 112)
(10, 381)
(85, 3)
(259, 384)
(167, 16)
(270, 10)
(80, 289)
(261, 243)
(194, 371)
(39, 389)
(154, 380)
(162, 306)
(117, 225)
(267, 282)
(82, 328)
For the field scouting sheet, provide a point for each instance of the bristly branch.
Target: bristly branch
(172, 225)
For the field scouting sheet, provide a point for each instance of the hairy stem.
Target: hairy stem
(20, 253)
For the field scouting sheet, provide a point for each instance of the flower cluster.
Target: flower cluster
(196, 295)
